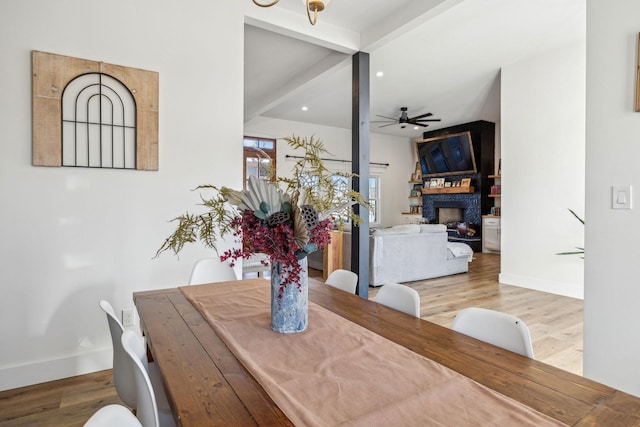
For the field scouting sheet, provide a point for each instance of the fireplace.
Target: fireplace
(449, 216)
(449, 213)
(450, 209)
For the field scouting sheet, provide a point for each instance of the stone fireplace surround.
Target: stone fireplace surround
(468, 203)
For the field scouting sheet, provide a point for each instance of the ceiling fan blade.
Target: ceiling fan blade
(421, 116)
(384, 126)
(428, 120)
(384, 121)
(390, 118)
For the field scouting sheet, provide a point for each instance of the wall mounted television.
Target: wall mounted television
(446, 155)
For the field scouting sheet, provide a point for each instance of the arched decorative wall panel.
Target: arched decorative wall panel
(93, 114)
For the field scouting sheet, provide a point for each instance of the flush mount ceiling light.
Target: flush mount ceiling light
(314, 6)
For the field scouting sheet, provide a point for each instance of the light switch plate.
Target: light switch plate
(621, 197)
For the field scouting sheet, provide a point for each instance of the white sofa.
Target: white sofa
(405, 253)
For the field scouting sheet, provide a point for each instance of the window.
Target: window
(341, 184)
(259, 158)
(374, 198)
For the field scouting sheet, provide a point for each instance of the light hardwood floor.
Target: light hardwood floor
(555, 323)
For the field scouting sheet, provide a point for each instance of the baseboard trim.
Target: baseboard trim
(565, 289)
(49, 370)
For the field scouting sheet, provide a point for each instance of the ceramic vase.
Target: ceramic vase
(289, 306)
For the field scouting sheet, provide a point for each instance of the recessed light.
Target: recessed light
(416, 127)
(379, 74)
(305, 108)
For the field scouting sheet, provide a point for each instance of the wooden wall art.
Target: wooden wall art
(92, 114)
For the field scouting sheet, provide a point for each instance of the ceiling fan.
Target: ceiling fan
(404, 119)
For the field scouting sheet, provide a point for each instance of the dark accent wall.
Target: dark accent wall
(478, 203)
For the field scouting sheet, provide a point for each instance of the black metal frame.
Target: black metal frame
(111, 96)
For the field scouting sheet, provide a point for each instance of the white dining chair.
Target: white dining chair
(113, 415)
(399, 297)
(211, 270)
(122, 374)
(122, 368)
(147, 408)
(343, 279)
(148, 411)
(255, 264)
(494, 327)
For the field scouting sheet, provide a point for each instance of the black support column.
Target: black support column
(360, 142)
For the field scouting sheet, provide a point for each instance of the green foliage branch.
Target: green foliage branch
(312, 184)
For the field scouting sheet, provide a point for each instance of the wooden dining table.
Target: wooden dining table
(206, 384)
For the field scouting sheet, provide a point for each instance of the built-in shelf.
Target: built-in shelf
(494, 195)
(495, 176)
(448, 190)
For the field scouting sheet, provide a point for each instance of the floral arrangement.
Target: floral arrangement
(287, 219)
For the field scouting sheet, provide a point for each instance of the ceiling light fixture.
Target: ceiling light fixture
(314, 6)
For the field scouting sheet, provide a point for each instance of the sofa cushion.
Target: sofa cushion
(399, 229)
(432, 228)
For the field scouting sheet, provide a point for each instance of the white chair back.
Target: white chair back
(113, 415)
(122, 370)
(343, 279)
(494, 327)
(257, 263)
(210, 270)
(399, 297)
(147, 408)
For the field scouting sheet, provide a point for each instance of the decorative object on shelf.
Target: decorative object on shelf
(284, 223)
(417, 209)
(495, 189)
(465, 182)
(314, 6)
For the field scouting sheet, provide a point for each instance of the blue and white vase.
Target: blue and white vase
(289, 310)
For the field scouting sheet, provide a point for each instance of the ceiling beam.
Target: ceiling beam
(290, 24)
(404, 20)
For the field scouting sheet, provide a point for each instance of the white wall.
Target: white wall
(398, 152)
(73, 236)
(612, 291)
(543, 146)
